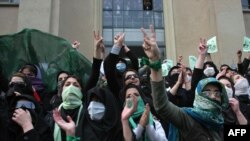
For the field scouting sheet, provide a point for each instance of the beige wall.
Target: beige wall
(35, 14)
(193, 19)
(186, 22)
(8, 22)
(78, 19)
(247, 22)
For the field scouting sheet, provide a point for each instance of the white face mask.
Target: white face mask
(209, 71)
(188, 78)
(229, 92)
(96, 110)
(241, 87)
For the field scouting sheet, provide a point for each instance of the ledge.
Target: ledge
(5, 4)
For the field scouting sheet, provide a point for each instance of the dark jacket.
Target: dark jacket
(41, 131)
(189, 129)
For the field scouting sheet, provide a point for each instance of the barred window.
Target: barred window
(128, 16)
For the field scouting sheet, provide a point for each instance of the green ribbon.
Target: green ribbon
(154, 65)
(72, 138)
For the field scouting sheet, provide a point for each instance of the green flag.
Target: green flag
(166, 66)
(50, 53)
(246, 44)
(212, 45)
(192, 61)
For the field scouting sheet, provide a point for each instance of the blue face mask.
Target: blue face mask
(121, 67)
(25, 104)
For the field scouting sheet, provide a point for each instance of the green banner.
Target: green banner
(192, 61)
(212, 45)
(50, 53)
(166, 66)
(246, 44)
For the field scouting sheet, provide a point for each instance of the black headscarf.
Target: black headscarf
(109, 127)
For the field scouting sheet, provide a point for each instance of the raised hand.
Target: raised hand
(222, 73)
(119, 39)
(150, 46)
(99, 46)
(130, 107)
(234, 103)
(23, 119)
(75, 44)
(202, 49)
(239, 54)
(180, 58)
(145, 116)
(68, 127)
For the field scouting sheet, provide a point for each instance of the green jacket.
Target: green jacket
(189, 129)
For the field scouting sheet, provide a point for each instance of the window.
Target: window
(245, 4)
(128, 16)
(9, 1)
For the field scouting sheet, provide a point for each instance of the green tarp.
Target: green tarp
(50, 53)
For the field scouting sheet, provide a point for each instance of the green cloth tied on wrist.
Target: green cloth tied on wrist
(72, 138)
(154, 65)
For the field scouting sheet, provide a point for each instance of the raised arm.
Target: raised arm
(128, 110)
(234, 103)
(202, 51)
(99, 52)
(110, 64)
(198, 70)
(133, 58)
(166, 110)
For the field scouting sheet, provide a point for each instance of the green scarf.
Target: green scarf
(57, 131)
(139, 111)
(71, 97)
(205, 111)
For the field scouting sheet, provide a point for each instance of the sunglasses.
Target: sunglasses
(131, 76)
(17, 84)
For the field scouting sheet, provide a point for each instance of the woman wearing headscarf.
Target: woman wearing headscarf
(115, 66)
(100, 120)
(25, 121)
(71, 104)
(20, 84)
(74, 95)
(204, 120)
(56, 99)
(137, 121)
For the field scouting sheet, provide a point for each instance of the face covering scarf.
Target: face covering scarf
(137, 114)
(72, 98)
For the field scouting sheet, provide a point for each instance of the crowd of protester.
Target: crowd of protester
(122, 101)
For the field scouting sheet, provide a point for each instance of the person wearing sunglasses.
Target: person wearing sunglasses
(25, 121)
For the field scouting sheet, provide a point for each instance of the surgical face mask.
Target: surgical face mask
(96, 110)
(229, 92)
(188, 78)
(25, 104)
(241, 87)
(209, 71)
(121, 67)
(72, 97)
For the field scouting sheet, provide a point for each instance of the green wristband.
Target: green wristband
(144, 61)
(72, 138)
(155, 65)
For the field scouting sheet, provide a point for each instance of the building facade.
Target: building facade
(179, 24)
